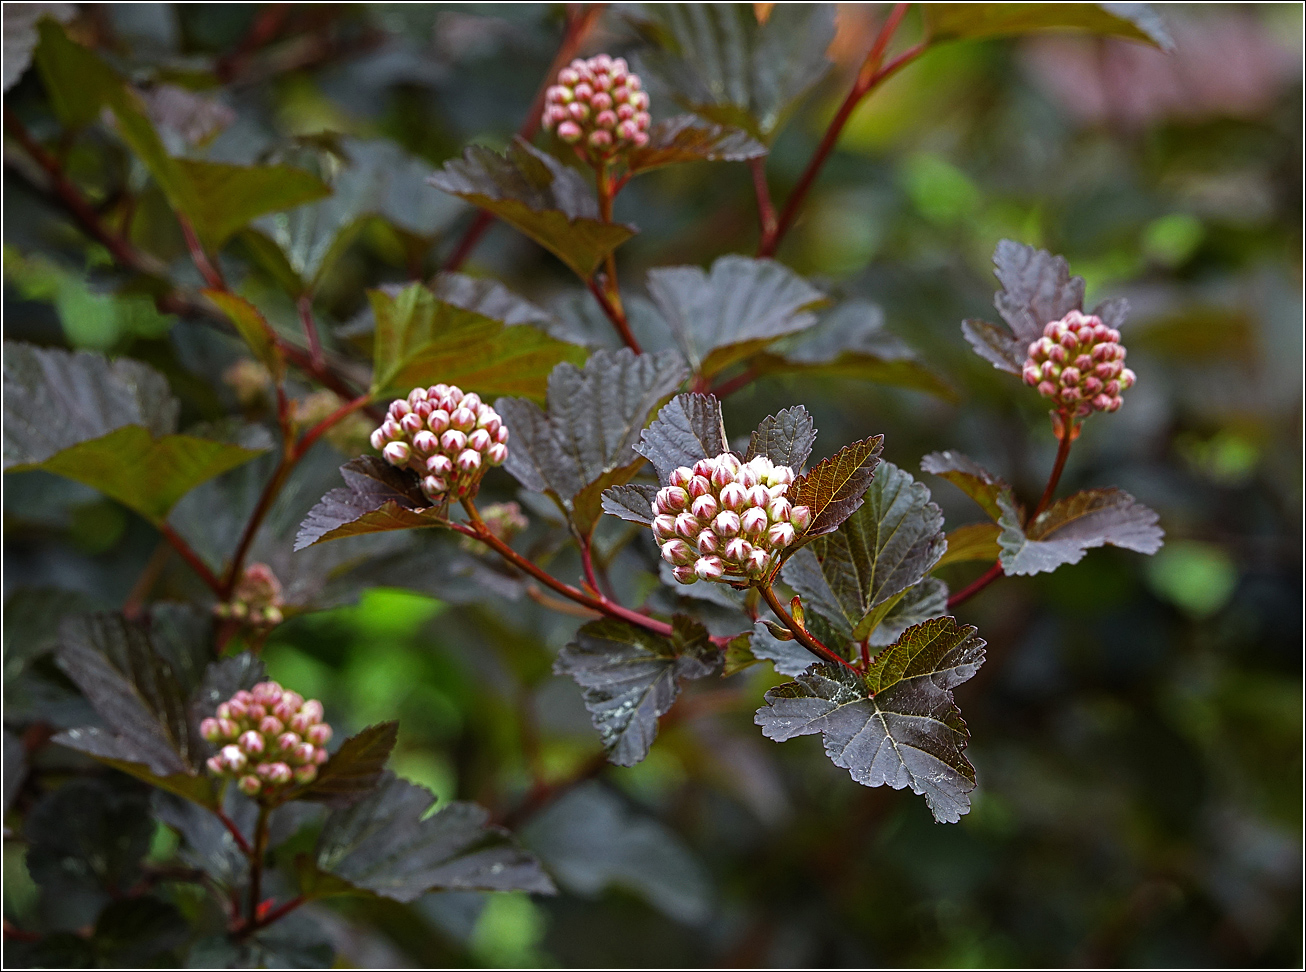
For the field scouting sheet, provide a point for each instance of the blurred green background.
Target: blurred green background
(1137, 727)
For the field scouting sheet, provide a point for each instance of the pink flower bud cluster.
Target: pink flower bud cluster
(726, 520)
(256, 601)
(1079, 364)
(269, 738)
(598, 106)
(448, 438)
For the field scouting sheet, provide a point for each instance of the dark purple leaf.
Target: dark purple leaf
(1064, 531)
(377, 497)
(836, 487)
(685, 138)
(968, 476)
(785, 438)
(687, 429)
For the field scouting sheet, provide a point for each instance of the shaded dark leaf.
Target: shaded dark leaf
(586, 441)
(354, 769)
(688, 139)
(835, 487)
(376, 497)
(1037, 288)
(785, 438)
(489, 298)
(55, 399)
(1064, 531)
(958, 21)
(32, 617)
(630, 678)
(254, 328)
(592, 840)
(743, 305)
(539, 196)
(928, 599)
(138, 933)
(974, 541)
(421, 339)
(850, 341)
(387, 845)
(15, 767)
(720, 63)
(897, 725)
(968, 476)
(788, 657)
(85, 842)
(632, 502)
(688, 428)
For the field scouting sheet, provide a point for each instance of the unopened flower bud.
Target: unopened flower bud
(738, 550)
(439, 465)
(425, 442)
(251, 742)
(497, 453)
(250, 785)
(758, 562)
(707, 542)
(781, 534)
(677, 552)
(726, 523)
(733, 497)
(438, 421)
(469, 460)
(479, 440)
(705, 507)
(709, 568)
(685, 575)
(800, 517)
(681, 476)
(210, 730)
(410, 423)
(753, 521)
(453, 441)
(664, 526)
(305, 774)
(378, 440)
(396, 453)
(270, 726)
(320, 734)
(687, 526)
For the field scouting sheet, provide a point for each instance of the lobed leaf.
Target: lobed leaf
(968, 476)
(974, 541)
(964, 21)
(633, 502)
(630, 677)
(721, 63)
(539, 196)
(1037, 288)
(586, 441)
(421, 339)
(376, 497)
(850, 341)
(387, 845)
(897, 725)
(855, 575)
(836, 487)
(741, 306)
(354, 770)
(685, 138)
(688, 428)
(1064, 531)
(785, 438)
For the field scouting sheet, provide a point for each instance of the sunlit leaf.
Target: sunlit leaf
(1063, 532)
(688, 139)
(835, 487)
(897, 725)
(974, 541)
(959, 21)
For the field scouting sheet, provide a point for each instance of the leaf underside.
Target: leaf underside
(1066, 530)
(376, 497)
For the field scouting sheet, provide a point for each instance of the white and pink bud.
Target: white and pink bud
(320, 734)
(709, 568)
(396, 453)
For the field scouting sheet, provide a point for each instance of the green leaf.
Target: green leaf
(75, 78)
(965, 21)
(630, 678)
(836, 487)
(898, 724)
(54, 399)
(85, 843)
(376, 497)
(586, 441)
(785, 438)
(386, 844)
(421, 340)
(688, 139)
(850, 341)
(146, 474)
(688, 428)
(735, 311)
(855, 575)
(143, 703)
(969, 477)
(1064, 531)
(254, 328)
(223, 199)
(974, 541)
(719, 62)
(928, 599)
(539, 196)
(738, 655)
(1037, 288)
(354, 770)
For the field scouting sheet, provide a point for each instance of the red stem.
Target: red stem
(207, 268)
(579, 22)
(985, 579)
(192, 558)
(765, 207)
(279, 912)
(305, 305)
(230, 824)
(868, 77)
(804, 638)
(732, 385)
(617, 317)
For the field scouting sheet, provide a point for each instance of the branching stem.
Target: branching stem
(804, 637)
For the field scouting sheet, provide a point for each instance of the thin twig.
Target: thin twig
(617, 317)
(239, 838)
(192, 558)
(305, 307)
(868, 78)
(732, 385)
(208, 269)
(801, 633)
(256, 866)
(765, 207)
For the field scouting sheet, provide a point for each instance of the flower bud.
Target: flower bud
(435, 486)
(439, 465)
(709, 568)
(463, 419)
(677, 552)
(425, 443)
(1070, 377)
(705, 468)
(469, 460)
(453, 441)
(800, 517)
(687, 526)
(699, 486)
(753, 521)
(320, 755)
(733, 496)
(672, 499)
(438, 421)
(251, 742)
(707, 542)
(759, 561)
(256, 712)
(378, 440)
(738, 550)
(664, 526)
(288, 740)
(250, 785)
(722, 475)
(705, 507)
(410, 423)
(479, 440)
(726, 523)
(319, 735)
(396, 453)
(232, 758)
(680, 476)
(306, 774)
(270, 726)
(303, 753)
(210, 730)
(497, 453)
(685, 575)
(759, 495)
(228, 728)
(215, 765)
(781, 534)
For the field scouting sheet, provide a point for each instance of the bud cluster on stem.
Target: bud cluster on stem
(726, 520)
(256, 600)
(1079, 364)
(269, 738)
(445, 436)
(598, 106)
